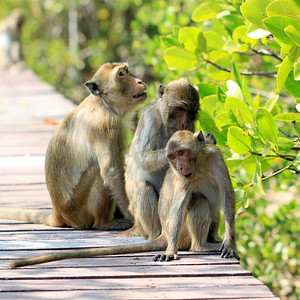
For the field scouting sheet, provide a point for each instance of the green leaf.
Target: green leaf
(209, 104)
(223, 119)
(236, 76)
(297, 71)
(255, 11)
(293, 34)
(180, 59)
(256, 179)
(271, 103)
(233, 164)
(285, 68)
(255, 32)
(214, 40)
(277, 24)
(267, 126)
(240, 110)
(206, 11)
(238, 140)
(234, 90)
(189, 37)
(284, 8)
(292, 85)
(206, 89)
(247, 95)
(285, 144)
(288, 117)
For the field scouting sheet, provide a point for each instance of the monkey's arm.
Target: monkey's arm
(112, 173)
(154, 160)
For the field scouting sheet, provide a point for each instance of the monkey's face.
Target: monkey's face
(181, 104)
(116, 86)
(183, 162)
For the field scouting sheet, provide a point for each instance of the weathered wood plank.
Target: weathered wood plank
(123, 283)
(175, 292)
(138, 271)
(133, 260)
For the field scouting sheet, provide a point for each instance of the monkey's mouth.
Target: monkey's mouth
(187, 176)
(139, 95)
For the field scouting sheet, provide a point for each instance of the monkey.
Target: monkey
(176, 108)
(84, 165)
(194, 187)
(10, 33)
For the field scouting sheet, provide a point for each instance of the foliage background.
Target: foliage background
(254, 117)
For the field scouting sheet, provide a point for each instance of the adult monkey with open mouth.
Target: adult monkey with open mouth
(85, 158)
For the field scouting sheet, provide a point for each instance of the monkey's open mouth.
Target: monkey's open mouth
(139, 95)
(187, 176)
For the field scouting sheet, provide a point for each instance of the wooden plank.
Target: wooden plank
(155, 269)
(138, 259)
(123, 283)
(176, 292)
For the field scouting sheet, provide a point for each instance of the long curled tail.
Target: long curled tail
(158, 244)
(37, 216)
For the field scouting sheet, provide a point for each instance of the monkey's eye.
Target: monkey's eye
(126, 70)
(181, 109)
(171, 156)
(121, 73)
(180, 152)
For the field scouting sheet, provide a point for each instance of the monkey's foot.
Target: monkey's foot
(228, 251)
(165, 257)
(131, 232)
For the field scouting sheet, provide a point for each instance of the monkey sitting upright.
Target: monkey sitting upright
(189, 204)
(85, 158)
(176, 108)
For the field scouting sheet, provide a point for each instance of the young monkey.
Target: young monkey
(189, 204)
(85, 158)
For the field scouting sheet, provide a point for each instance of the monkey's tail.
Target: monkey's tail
(158, 244)
(38, 216)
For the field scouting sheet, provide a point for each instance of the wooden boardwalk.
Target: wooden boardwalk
(29, 112)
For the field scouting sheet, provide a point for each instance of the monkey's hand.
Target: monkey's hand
(165, 257)
(228, 250)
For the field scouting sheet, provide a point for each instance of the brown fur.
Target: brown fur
(188, 207)
(85, 157)
(176, 108)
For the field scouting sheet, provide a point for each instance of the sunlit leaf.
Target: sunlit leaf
(189, 37)
(179, 58)
(297, 71)
(288, 117)
(234, 90)
(266, 125)
(285, 68)
(255, 11)
(256, 179)
(238, 140)
(284, 8)
(277, 24)
(240, 109)
(205, 11)
(222, 119)
(292, 85)
(285, 144)
(293, 34)
(271, 103)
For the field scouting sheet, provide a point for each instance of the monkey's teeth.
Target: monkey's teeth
(138, 95)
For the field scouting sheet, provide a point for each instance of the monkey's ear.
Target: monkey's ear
(200, 137)
(161, 90)
(93, 87)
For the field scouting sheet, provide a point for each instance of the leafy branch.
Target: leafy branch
(286, 157)
(267, 74)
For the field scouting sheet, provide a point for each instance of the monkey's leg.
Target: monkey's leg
(147, 210)
(213, 234)
(198, 222)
